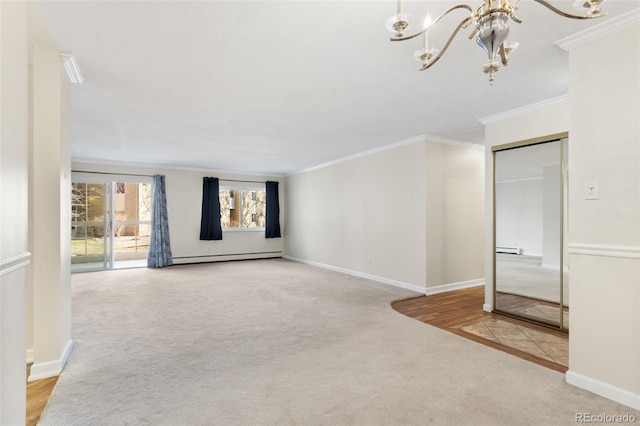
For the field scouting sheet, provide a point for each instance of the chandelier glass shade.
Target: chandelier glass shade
(490, 23)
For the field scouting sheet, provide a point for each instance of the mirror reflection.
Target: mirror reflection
(531, 270)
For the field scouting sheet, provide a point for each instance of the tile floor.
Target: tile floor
(534, 342)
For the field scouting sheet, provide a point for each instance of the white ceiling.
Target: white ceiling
(278, 86)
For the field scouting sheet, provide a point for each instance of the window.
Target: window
(242, 208)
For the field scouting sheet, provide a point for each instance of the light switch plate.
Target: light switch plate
(591, 190)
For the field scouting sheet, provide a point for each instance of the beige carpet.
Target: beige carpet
(279, 343)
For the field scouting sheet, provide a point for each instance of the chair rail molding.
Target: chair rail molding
(628, 252)
(13, 263)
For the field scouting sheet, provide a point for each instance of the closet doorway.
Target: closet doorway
(531, 270)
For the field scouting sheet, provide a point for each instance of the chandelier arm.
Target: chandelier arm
(567, 14)
(436, 58)
(503, 54)
(459, 6)
(515, 18)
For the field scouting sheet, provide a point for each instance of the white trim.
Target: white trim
(426, 291)
(388, 147)
(243, 229)
(225, 257)
(14, 263)
(66, 353)
(382, 280)
(453, 286)
(560, 100)
(628, 252)
(487, 307)
(438, 139)
(368, 152)
(606, 390)
(600, 31)
(29, 356)
(43, 370)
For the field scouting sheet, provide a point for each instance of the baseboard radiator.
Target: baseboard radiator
(509, 250)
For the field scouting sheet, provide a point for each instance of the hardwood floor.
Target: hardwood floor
(38, 393)
(456, 309)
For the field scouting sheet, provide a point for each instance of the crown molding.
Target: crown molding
(560, 100)
(599, 31)
(438, 139)
(412, 140)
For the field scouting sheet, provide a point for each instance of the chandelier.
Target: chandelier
(490, 29)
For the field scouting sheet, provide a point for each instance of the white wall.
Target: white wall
(14, 256)
(410, 215)
(604, 235)
(604, 246)
(455, 214)
(49, 201)
(184, 206)
(365, 215)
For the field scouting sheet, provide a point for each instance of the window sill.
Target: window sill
(242, 230)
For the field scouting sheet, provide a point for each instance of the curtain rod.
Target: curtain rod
(105, 173)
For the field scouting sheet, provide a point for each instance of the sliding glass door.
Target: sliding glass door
(110, 223)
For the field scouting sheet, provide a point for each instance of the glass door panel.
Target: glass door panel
(90, 243)
(131, 223)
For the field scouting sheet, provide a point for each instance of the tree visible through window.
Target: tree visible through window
(242, 208)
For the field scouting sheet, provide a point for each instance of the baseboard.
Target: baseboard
(606, 390)
(487, 307)
(358, 274)
(29, 356)
(453, 286)
(43, 370)
(66, 353)
(185, 260)
(426, 291)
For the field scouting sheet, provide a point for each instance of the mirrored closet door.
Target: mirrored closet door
(531, 271)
